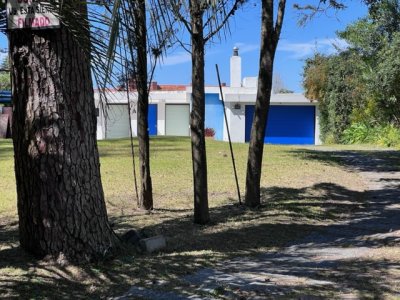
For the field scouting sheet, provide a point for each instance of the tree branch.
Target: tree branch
(225, 20)
(309, 11)
(178, 15)
(279, 20)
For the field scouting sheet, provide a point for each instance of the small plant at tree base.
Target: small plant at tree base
(209, 132)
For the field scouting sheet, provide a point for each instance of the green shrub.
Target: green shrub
(383, 135)
(329, 139)
(357, 133)
(388, 136)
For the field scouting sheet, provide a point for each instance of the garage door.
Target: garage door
(152, 119)
(117, 123)
(286, 124)
(177, 119)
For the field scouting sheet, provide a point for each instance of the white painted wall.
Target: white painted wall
(317, 127)
(100, 130)
(99, 133)
(161, 117)
(250, 82)
(236, 71)
(236, 123)
(134, 119)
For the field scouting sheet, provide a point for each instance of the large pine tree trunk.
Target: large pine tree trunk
(197, 116)
(256, 145)
(61, 204)
(146, 191)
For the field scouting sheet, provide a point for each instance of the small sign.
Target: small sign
(34, 14)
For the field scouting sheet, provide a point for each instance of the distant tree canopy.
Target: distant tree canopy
(359, 87)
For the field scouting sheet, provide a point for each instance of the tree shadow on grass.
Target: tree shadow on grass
(23, 276)
(322, 201)
(334, 216)
(377, 160)
(286, 213)
(122, 147)
(284, 220)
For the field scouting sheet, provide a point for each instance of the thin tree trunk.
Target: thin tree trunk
(61, 204)
(197, 116)
(269, 40)
(146, 191)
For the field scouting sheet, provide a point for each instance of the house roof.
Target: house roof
(180, 92)
(171, 87)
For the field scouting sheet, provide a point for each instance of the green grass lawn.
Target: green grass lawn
(299, 193)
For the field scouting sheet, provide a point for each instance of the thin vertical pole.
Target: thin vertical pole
(229, 136)
(130, 132)
(126, 65)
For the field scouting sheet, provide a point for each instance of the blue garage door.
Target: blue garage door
(286, 124)
(152, 119)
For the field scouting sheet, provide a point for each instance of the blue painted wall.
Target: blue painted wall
(286, 124)
(215, 115)
(152, 119)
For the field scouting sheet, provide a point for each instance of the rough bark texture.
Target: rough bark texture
(269, 41)
(146, 190)
(61, 204)
(197, 116)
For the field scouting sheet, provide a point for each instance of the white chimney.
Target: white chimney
(236, 68)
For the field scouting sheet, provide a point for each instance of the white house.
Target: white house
(292, 119)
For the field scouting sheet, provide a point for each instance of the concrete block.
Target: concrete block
(152, 244)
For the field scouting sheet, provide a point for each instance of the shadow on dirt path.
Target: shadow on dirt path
(355, 258)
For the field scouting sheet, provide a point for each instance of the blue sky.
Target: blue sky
(296, 44)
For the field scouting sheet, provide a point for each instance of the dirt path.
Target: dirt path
(358, 258)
